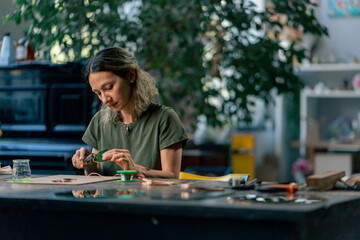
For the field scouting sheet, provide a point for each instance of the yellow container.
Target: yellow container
(243, 160)
(242, 142)
(244, 164)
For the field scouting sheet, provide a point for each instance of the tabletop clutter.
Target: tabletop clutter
(21, 173)
(331, 180)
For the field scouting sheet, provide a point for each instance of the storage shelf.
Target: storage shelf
(329, 67)
(329, 145)
(332, 94)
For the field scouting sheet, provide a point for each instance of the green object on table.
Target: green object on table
(93, 157)
(21, 180)
(126, 175)
(98, 157)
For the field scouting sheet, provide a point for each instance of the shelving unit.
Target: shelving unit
(332, 94)
(332, 74)
(329, 67)
(326, 106)
(318, 108)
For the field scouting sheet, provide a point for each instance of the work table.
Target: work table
(168, 212)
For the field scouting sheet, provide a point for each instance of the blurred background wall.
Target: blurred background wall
(16, 31)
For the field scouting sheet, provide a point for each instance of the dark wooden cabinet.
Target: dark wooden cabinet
(44, 100)
(43, 106)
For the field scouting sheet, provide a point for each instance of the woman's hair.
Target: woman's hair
(121, 62)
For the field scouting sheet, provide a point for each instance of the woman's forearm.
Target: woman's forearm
(151, 173)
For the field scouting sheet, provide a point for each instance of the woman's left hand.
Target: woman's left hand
(121, 157)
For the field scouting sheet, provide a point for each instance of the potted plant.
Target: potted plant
(209, 57)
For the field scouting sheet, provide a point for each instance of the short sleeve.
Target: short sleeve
(91, 134)
(171, 130)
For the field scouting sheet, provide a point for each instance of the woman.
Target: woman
(139, 134)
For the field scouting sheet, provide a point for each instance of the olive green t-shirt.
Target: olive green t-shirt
(157, 128)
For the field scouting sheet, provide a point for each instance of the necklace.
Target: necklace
(126, 126)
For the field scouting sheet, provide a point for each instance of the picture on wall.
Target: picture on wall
(343, 8)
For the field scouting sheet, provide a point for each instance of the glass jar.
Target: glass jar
(21, 170)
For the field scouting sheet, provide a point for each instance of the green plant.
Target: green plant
(209, 57)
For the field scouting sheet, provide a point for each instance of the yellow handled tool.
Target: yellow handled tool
(225, 178)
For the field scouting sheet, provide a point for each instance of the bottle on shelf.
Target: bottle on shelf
(7, 53)
(21, 50)
(30, 51)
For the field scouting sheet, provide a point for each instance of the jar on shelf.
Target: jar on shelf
(21, 50)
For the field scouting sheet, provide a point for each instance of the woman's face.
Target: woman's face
(111, 89)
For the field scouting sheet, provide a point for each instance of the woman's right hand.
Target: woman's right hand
(80, 154)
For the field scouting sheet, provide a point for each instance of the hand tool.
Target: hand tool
(93, 157)
(243, 184)
(290, 188)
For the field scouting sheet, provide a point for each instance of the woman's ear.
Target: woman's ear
(132, 75)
